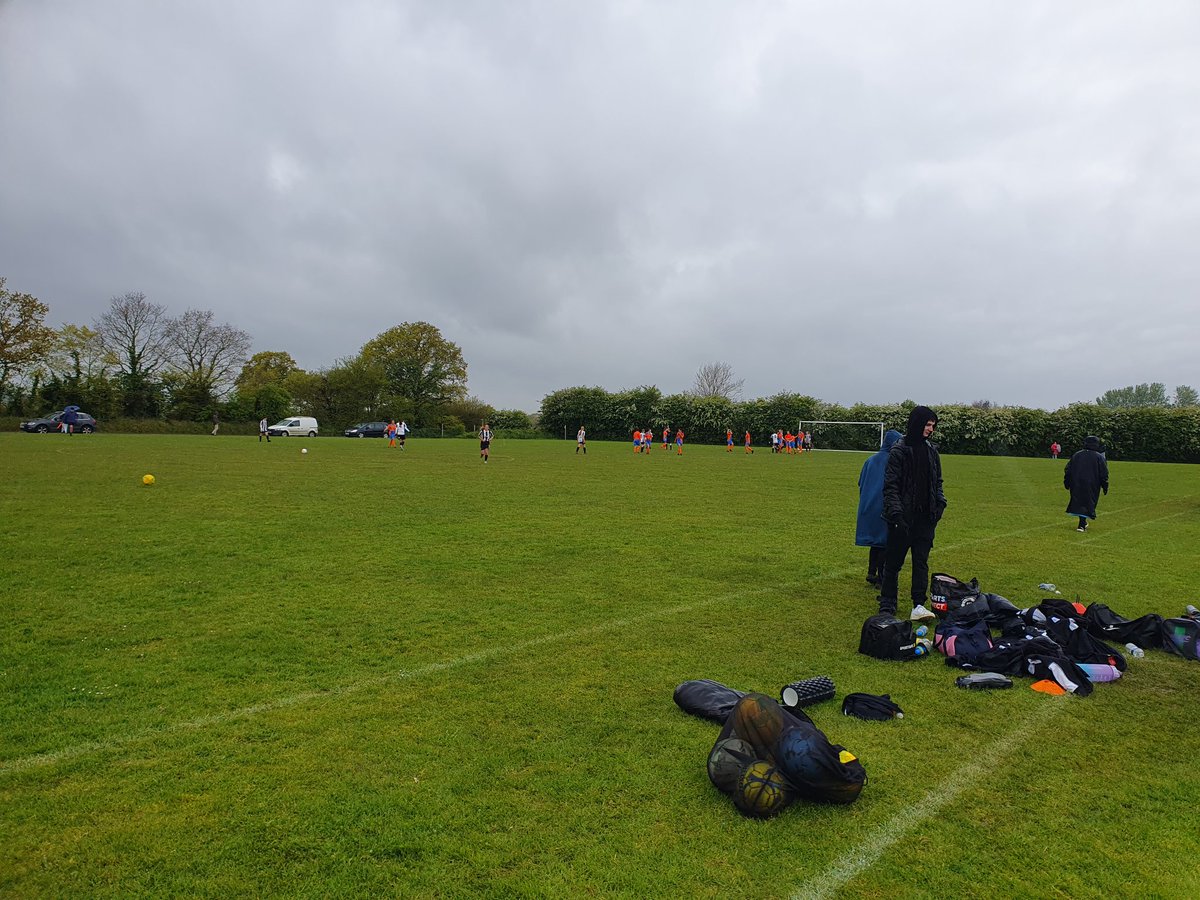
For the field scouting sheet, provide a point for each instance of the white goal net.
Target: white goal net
(830, 435)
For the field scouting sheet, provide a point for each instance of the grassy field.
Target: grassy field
(366, 672)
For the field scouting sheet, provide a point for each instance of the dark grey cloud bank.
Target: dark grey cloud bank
(861, 201)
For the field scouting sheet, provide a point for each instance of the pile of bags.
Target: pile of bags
(1062, 643)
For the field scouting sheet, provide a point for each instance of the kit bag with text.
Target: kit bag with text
(947, 593)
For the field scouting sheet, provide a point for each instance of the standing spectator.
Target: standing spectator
(872, 531)
(402, 432)
(581, 441)
(69, 418)
(216, 420)
(913, 503)
(1085, 477)
(1055, 449)
(262, 430)
(485, 441)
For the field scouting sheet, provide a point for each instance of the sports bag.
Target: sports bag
(707, 699)
(886, 637)
(947, 593)
(962, 640)
(1145, 631)
(1180, 637)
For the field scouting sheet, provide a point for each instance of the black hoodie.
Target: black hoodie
(912, 484)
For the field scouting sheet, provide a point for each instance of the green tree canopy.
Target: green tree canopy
(419, 366)
(24, 337)
(1134, 396)
(267, 367)
(1186, 396)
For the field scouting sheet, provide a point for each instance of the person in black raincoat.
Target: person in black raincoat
(1085, 477)
(913, 503)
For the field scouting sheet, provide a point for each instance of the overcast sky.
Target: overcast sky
(943, 201)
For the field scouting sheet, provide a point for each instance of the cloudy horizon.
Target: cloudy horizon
(938, 201)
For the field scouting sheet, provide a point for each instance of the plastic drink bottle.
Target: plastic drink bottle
(1135, 651)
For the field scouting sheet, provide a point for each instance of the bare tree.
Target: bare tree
(133, 332)
(717, 380)
(208, 354)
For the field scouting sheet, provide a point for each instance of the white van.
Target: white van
(296, 426)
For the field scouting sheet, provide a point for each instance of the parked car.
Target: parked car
(84, 424)
(295, 426)
(367, 429)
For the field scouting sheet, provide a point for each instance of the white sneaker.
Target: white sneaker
(920, 612)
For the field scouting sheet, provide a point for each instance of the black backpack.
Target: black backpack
(1145, 631)
(886, 637)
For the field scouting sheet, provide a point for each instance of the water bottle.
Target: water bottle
(1048, 588)
(921, 631)
(1135, 651)
(1191, 612)
(921, 648)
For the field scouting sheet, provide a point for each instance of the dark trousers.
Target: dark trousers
(901, 540)
(875, 563)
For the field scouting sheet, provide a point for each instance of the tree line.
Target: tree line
(137, 362)
(1149, 433)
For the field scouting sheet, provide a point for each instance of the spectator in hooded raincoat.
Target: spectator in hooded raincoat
(913, 503)
(1085, 477)
(872, 530)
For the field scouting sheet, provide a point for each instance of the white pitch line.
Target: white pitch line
(38, 760)
(881, 839)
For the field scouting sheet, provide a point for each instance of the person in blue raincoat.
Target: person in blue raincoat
(872, 530)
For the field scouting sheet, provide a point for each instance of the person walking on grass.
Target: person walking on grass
(402, 432)
(728, 440)
(216, 420)
(581, 441)
(1055, 449)
(1085, 476)
(913, 503)
(262, 430)
(390, 431)
(871, 530)
(485, 441)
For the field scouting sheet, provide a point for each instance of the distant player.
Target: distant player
(774, 442)
(391, 432)
(666, 437)
(402, 432)
(637, 441)
(800, 442)
(485, 441)
(679, 442)
(262, 430)
(728, 440)
(581, 441)
(789, 443)
(749, 449)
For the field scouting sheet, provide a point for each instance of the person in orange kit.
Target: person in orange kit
(679, 442)
(728, 440)
(749, 449)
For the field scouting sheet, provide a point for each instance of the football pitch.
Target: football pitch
(366, 672)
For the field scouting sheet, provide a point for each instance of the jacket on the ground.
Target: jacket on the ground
(1085, 476)
(899, 484)
(871, 530)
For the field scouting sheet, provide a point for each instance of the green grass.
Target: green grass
(367, 672)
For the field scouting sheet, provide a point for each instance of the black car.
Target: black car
(84, 424)
(367, 429)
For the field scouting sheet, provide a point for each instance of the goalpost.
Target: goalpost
(813, 423)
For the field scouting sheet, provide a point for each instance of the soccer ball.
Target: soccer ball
(305, 450)
(147, 480)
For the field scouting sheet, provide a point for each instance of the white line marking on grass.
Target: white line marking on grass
(38, 760)
(881, 839)
(24, 763)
